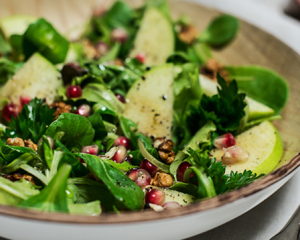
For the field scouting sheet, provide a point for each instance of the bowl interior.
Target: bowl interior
(251, 46)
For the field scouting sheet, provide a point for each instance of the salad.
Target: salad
(135, 113)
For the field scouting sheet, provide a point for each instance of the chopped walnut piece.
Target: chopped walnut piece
(15, 142)
(60, 107)
(188, 34)
(211, 68)
(18, 176)
(161, 179)
(30, 144)
(165, 151)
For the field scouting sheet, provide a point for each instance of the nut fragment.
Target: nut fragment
(15, 142)
(18, 176)
(30, 144)
(165, 151)
(211, 68)
(60, 107)
(162, 180)
(188, 34)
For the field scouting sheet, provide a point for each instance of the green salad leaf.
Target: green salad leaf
(53, 197)
(78, 130)
(128, 195)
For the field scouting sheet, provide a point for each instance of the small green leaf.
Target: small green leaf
(220, 31)
(53, 197)
(78, 130)
(127, 194)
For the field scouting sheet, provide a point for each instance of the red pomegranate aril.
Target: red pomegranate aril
(224, 141)
(74, 91)
(92, 149)
(128, 159)
(119, 35)
(155, 196)
(122, 141)
(181, 170)
(148, 166)
(83, 110)
(141, 57)
(10, 110)
(171, 205)
(120, 154)
(24, 101)
(120, 97)
(140, 176)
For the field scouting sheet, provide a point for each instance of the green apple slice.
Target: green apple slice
(150, 102)
(37, 78)
(256, 110)
(155, 38)
(264, 145)
(16, 24)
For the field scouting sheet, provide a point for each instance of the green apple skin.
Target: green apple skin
(256, 110)
(264, 145)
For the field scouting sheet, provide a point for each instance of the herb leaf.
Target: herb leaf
(31, 122)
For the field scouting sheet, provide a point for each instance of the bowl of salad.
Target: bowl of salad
(166, 116)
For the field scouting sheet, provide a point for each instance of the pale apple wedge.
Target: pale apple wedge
(256, 110)
(155, 38)
(150, 102)
(16, 24)
(37, 78)
(264, 145)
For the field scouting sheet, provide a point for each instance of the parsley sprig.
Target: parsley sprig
(225, 109)
(32, 121)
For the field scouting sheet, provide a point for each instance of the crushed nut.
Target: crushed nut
(211, 68)
(15, 142)
(30, 144)
(60, 107)
(165, 151)
(161, 179)
(18, 176)
(188, 34)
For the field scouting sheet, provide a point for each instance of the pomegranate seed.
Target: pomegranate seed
(92, 149)
(122, 141)
(74, 91)
(234, 154)
(83, 110)
(171, 205)
(24, 101)
(120, 97)
(155, 196)
(100, 11)
(181, 170)
(119, 35)
(140, 176)
(141, 57)
(10, 110)
(148, 166)
(120, 154)
(224, 141)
